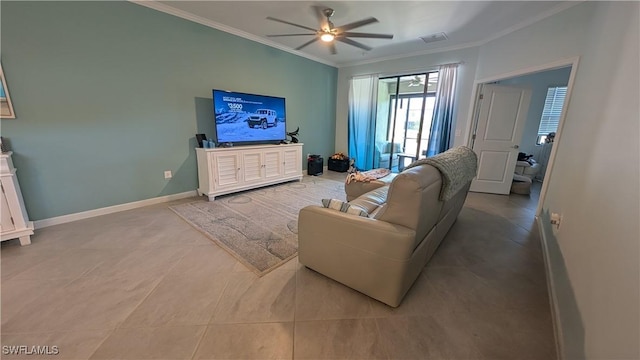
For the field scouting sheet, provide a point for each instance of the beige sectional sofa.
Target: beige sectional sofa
(382, 255)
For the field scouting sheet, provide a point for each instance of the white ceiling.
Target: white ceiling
(466, 23)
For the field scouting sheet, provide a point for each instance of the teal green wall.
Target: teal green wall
(108, 95)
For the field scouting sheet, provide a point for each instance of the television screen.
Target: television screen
(246, 118)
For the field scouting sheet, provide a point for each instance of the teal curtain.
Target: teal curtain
(440, 133)
(362, 113)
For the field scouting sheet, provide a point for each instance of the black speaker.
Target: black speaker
(315, 164)
(200, 138)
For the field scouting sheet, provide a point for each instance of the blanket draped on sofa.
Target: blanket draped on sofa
(458, 166)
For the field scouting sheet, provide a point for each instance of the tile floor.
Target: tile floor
(143, 284)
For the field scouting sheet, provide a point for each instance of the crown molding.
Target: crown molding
(411, 54)
(153, 4)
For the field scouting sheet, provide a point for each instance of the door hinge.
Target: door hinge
(481, 96)
(2, 187)
(12, 222)
(473, 137)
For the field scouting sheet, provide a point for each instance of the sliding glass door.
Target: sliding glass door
(403, 119)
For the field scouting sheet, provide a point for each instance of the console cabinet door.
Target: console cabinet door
(272, 164)
(292, 162)
(227, 169)
(15, 222)
(251, 166)
(5, 212)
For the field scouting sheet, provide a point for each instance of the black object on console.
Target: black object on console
(200, 138)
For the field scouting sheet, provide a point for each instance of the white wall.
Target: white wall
(594, 186)
(538, 83)
(466, 74)
(595, 181)
(557, 37)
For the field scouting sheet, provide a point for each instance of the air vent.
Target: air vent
(433, 38)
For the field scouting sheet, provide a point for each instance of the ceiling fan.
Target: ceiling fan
(328, 32)
(416, 81)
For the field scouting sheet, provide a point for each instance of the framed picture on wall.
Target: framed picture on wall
(6, 108)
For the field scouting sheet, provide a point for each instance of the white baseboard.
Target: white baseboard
(543, 219)
(39, 224)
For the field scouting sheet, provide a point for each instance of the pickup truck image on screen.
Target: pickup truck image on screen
(263, 118)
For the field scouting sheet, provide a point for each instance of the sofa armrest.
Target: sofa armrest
(319, 226)
(355, 189)
(372, 256)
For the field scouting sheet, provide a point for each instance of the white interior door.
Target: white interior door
(501, 118)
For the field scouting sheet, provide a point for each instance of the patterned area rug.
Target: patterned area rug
(259, 227)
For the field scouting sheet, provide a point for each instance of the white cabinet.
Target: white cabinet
(15, 222)
(227, 170)
(272, 162)
(292, 163)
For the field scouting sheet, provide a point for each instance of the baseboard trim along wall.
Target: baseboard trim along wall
(39, 224)
(544, 228)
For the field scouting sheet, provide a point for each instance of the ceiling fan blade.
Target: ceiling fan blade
(356, 24)
(332, 48)
(322, 19)
(353, 43)
(367, 35)
(290, 23)
(307, 43)
(279, 35)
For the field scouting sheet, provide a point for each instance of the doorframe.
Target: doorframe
(474, 106)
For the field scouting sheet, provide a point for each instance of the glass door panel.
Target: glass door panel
(426, 125)
(403, 120)
(384, 118)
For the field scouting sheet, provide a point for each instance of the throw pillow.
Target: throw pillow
(343, 207)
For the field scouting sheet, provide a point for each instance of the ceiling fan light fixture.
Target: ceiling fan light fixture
(327, 37)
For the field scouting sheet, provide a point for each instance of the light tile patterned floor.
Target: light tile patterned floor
(143, 284)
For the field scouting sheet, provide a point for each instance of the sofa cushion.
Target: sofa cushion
(385, 157)
(386, 148)
(356, 188)
(344, 207)
(371, 200)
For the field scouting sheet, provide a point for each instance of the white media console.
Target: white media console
(15, 222)
(226, 170)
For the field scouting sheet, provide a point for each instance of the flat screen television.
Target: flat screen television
(248, 118)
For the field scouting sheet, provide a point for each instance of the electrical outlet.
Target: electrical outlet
(167, 174)
(458, 132)
(556, 219)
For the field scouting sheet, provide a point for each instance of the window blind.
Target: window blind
(552, 110)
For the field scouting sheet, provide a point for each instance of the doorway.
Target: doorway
(502, 114)
(540, 79)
